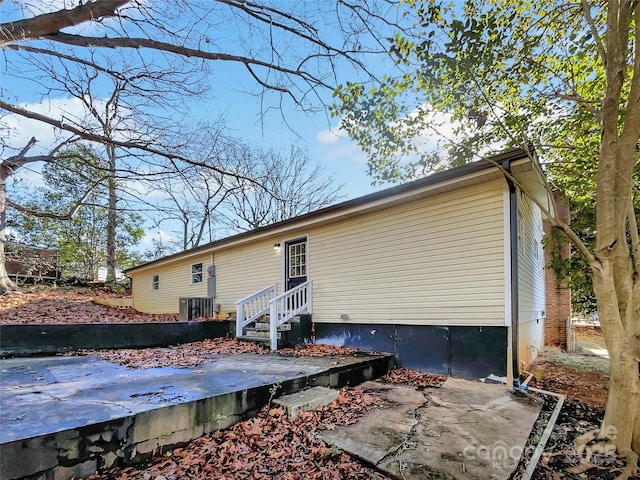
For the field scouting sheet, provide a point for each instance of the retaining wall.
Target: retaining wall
(28, 340)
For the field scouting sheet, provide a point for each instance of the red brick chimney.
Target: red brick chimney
(558, 294)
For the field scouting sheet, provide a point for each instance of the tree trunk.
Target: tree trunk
(112, 217)
(615, 284)
(185, 230)
(635, 444)
(615, 266)
(6, 285)
(621, 419)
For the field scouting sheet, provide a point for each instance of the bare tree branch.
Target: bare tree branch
(60, 55)
(138, 43)
(11, 164)
(94, 137)
(26, 148)
(586, 10)
(51, 23)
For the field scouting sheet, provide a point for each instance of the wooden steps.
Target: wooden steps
(261, 333)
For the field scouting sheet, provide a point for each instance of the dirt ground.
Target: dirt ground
(583, 377)
(293, 445)
(579, 376)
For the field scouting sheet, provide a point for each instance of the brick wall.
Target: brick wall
(558, 297)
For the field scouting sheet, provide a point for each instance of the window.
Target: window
(297, 260)
(196, 273)
(155, 282)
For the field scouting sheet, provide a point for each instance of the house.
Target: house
(447, 271)
(26, 262)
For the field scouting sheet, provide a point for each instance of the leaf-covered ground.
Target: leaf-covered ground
(196, 353)
(272, 446)
(405, 376)
(40, 305)
(268, 446)
(179, 356)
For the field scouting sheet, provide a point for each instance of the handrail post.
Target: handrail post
(239, 320)
(273, 324)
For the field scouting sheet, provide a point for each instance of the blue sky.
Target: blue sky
(326, 144)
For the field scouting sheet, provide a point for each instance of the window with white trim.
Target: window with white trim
(155, 282)
(196, 273)
(297, 260)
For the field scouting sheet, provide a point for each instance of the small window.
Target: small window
(196, 273)
(155, 282)
(297, 259)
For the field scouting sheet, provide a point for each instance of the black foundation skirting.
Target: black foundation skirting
(463, 352)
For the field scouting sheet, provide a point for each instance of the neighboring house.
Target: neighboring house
(32, 263)
(447, 271)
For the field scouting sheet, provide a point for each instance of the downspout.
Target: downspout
(131, 288)
(513, 226)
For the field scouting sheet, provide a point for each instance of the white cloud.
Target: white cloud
(70, 110)
(334, 145)
(440, 128)
(346, 151)
(22, 129)
(331, 135)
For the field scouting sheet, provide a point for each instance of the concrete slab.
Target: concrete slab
(72, 414)
(304, 400)
(463, 430)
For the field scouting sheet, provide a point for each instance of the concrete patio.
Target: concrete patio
(66, 416)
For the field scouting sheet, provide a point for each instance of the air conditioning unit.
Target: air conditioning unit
(190, 308)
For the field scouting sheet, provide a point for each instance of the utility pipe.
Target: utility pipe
(533, 461)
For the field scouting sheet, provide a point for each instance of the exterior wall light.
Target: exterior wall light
(276, 247)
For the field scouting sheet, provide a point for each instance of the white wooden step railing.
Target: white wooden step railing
(250, 308)
(281, 308)
(286, 306)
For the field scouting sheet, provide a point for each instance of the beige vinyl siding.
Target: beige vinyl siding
(174, 281)
(244, 270)
(531, 281)
(439, 261)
